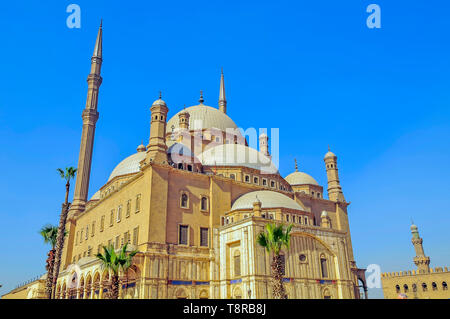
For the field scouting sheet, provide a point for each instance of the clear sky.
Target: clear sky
(379, 97)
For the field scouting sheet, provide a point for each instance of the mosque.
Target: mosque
(193, 201)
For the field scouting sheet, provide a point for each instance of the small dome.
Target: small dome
(141, 148)
(237, 155)
(159, 102)
(128, 165)
(300, 178)
(268, 199)
(414, 227)
(329, 154)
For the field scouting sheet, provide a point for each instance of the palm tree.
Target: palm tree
(115, 263)
(67, 175)
(49, 233)
(274, 238)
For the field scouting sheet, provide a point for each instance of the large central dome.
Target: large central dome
(202, 117)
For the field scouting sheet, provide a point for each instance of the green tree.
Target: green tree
(49, 233)
(274, 239)
(114, 263)
(68, 174)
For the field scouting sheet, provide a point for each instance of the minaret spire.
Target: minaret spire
(222, 98)
(90, 117)
(296, 166)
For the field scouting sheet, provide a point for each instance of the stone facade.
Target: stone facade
(187, 214)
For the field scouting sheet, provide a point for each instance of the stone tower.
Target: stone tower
(90, 117)
(157, 148)
(183, 119)
(264, 144)
(334, 187)
(222, 99)
(422, 262)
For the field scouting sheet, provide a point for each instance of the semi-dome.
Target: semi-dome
(268, 199)
(237, 155)
(128, 165)
(202, 117)
(300, 178)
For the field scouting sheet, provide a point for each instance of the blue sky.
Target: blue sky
(379, 97)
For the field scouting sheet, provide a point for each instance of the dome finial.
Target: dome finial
(201, 100)
(296, 166)
(160, 95)
(329, 148)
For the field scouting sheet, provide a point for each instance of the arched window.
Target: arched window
(184, 200)
(323, 266)
(424, 287)
(444, 285)
(232, 176)
(405, 288)
(190, 168)
(247, 178)
(414, 287)
(434, 286)
(397, 288)
(180, 165)
(204, 203)
(237, 263)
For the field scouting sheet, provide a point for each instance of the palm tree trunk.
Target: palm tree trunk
(115, 287)
(49, 267)
(60, 239)
(277, 278)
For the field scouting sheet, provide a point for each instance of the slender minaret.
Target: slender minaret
(157, 148)
(222, 99)
(422, 262)
(264, 144)
(334, 187)
(90, 117)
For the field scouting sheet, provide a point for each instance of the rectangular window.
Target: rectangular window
(264, 182)
(126, 237)
(128, 208)
(99, 249)
(93, 229)
(135, 235)
(81, 236)
(183, 235)
(109, 243)
(287, 218)
(204, 237)
(237, 265)
(111, 218)
(76, 240)
(138, 203)
(116, 246)
(102, 223)
(119, 213)
(87, 232)
(323, 267)
(306, 220)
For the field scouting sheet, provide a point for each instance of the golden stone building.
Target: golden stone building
(423, 283)
(193, 202)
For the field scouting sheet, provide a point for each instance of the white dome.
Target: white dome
(268, 199)
(300, 178)
(202, 117)
(237, 155)
(128, 165)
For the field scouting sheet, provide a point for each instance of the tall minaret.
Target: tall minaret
(422, 262)
(222, 99)
(334, 187)
(90, 117)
